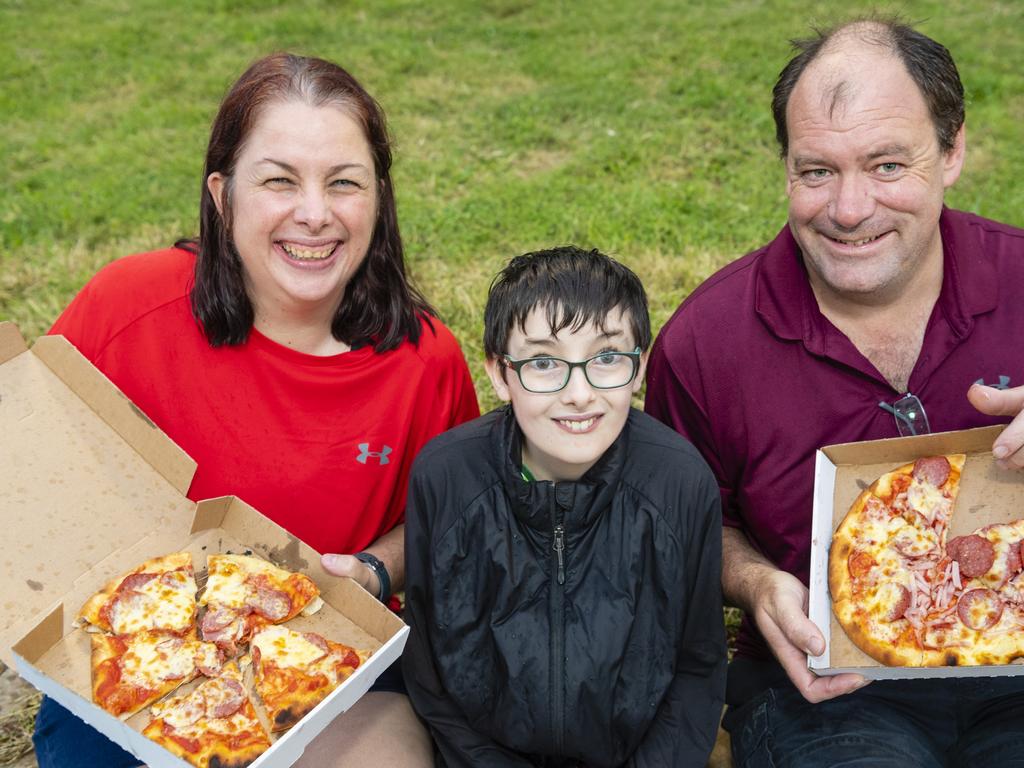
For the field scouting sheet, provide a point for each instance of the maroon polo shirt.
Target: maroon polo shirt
(751, 371)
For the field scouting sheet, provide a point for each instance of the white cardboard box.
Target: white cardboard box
(987, 495)
(89, 488)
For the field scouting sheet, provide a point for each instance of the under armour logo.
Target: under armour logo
(1004, 383)
(365, 453)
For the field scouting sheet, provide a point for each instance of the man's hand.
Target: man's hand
(1008, 448)
(349, 565)
(780, 610)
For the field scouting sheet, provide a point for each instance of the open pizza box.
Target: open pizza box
(987, 495)
(90, 488)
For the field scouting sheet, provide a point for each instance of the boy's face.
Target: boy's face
(566, 432)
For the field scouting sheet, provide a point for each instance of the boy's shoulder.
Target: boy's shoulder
(460, 447)
(662, 463)
(649, 437)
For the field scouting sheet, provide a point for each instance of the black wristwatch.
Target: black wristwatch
(374, 564)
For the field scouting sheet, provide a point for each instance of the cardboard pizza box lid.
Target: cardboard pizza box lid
(89, 488)
(83, 474)
(987, 495)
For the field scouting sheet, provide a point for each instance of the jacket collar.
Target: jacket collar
(784, 301)
(540, 504)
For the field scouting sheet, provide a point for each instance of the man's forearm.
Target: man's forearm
(744, 569)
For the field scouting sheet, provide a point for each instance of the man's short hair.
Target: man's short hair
(929, 64)
(572, 286)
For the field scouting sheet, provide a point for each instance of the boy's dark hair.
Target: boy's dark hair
(573, 286)
(928, 62)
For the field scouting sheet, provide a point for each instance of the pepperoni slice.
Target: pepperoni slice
(932, 469)
(912, 543)
(979, 609)
(859, 563)
(973, 553)
(231, 697)
(215, 620)
(896, 597)
(135, 581)
(317, 640)
(1013, 559)
(270, 603)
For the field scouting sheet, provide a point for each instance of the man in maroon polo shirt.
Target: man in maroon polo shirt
(876, 312)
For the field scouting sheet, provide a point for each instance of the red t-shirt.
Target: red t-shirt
(751, 371)
(321, 445)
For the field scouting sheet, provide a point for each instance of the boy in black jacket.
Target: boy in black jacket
(564, 552)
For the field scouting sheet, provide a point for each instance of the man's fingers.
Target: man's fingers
(822, 688)
(800, 631)
(1008, 448)
(996, 402)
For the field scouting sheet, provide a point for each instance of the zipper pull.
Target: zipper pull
(559, 548)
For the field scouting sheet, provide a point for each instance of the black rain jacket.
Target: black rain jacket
(570, 623)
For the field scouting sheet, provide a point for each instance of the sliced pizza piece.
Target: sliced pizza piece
(294, 671)
(132, 671)
(213, 726)
(244, 593)
(159, 594)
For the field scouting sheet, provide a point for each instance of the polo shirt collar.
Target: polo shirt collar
(784, 301)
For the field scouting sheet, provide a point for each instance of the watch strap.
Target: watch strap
(383, 578)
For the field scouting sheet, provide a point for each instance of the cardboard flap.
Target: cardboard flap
(123, 416)
(74, 490)
(11, 341)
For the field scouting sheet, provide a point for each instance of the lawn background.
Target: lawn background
(642, 129)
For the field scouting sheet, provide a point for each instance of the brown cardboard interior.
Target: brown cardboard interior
(987, 495)
(90, 488)
(64, 655)
(76, 496)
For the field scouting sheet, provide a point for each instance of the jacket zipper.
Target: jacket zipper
(558, 629)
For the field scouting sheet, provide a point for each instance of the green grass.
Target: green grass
(642, 129)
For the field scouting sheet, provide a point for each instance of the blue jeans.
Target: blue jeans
(63, 741)
(972, 722)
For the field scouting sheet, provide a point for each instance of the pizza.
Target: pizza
(131, 671)
(159, 594)
(148, 639)
(244, 593)
(213, 725)
(906, 594)
(294, 671)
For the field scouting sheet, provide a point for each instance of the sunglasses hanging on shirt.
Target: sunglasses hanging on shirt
(910, 415)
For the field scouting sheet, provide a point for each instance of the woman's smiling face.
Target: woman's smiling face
(303, 204)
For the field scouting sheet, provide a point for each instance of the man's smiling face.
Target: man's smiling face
(865, 173)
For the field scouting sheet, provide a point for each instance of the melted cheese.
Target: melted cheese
(166, 602)
(152, 658)
(927, 500)
(879, 530)
(287, 648)
(226, 583)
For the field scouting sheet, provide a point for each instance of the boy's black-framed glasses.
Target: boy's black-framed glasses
(605, 370)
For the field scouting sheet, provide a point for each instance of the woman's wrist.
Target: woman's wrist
(379, 570)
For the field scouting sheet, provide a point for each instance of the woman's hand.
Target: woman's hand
(348, 565)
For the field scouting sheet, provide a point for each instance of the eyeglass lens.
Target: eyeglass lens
(605, 371)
